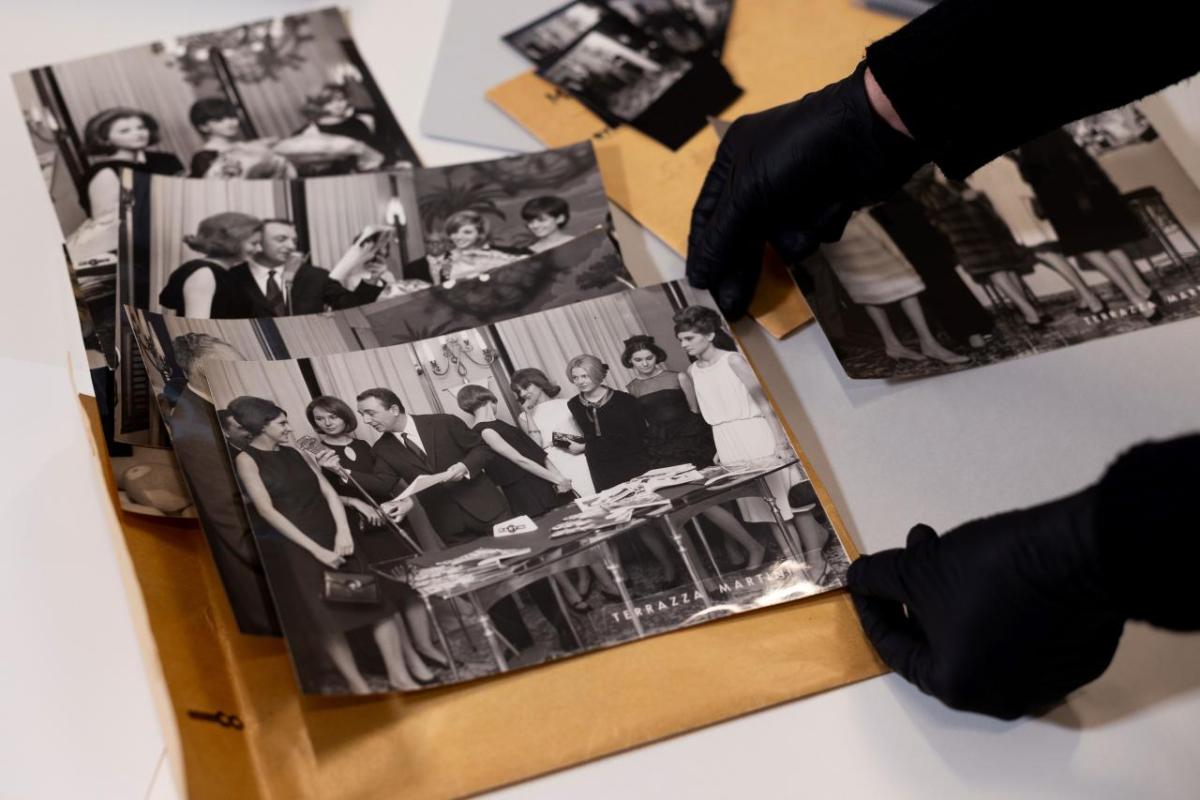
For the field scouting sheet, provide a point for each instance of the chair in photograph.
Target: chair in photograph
(1176, 247)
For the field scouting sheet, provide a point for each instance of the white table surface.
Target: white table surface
(78, 719)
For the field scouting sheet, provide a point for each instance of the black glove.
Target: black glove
(1005, 615)
(791, 175)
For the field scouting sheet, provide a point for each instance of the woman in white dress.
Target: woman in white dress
(745, 428)
(876, 274)
(544, 415)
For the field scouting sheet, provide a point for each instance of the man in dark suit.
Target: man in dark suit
(279, 287)
(463, 508)
(204, 460)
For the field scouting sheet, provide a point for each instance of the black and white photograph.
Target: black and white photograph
(1088, 231)
(173, 351)
(238, 249)
(512, 494)
(481, 215)
(544, 39)
(627, 75)
(282, 97)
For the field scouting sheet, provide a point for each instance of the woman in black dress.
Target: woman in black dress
(675, 431)
(349, 465)
(113, 139)
(1087, 212)
(202, 288)
(614, 438)
(331, 113)
(307, 535)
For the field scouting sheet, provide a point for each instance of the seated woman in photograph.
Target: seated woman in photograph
(308, 535)
(337, 140)
(876, 274)
(546, 216)
(745, 428)
(675, 431)
(614, 439)
(471, 250)
(203, 288)
(349, 465)
(113, 139)
(224, 153)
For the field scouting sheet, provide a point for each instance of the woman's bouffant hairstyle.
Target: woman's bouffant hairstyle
(95, 133)
(640, 342)
(466, 217)
(254, 413)
(191, 348)
(702, 319)
(314, 104)
(472, 397)
(532, 376)
(210, 109)
(548, 205)
(222, 235)
(331, 405)
(590, 364)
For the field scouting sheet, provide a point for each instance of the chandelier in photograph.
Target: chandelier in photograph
(252, 53)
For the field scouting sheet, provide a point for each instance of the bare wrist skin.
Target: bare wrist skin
(881, 105)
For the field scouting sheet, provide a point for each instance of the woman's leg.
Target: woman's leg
(659, 550)
(1006, 283)
(404, 668)
(1066, 270)
(1132, 274)
(607, 585)
(1108, 268)
(891, 343)
(735, 531)
(813, 538)
(930, 346)
(416, 620)
(343, 658)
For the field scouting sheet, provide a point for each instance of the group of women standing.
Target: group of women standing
(1073, 218)
(715, 412)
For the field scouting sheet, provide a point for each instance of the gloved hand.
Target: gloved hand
(1005, 615)
(791, 175)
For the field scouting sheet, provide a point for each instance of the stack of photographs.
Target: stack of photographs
(498, 497)
(1088, 231)
(650, 64)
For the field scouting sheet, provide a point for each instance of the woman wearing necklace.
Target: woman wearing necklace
(675, 431)
(350, 461)
(308, 534)
(614, 439)
(745, 427)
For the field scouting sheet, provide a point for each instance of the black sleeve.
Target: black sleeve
(336, 296)
(973, 79)
(1149, 543)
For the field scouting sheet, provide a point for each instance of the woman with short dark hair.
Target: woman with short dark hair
(202, 287)
(113, 139)
(307, 535)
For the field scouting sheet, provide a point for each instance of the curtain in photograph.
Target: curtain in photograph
(338, 208)
(275, 105)
(549, 339)
(278, 381)
(238, 333)
(392, 368)
(137, 78)
(313, 335)
(177, 206)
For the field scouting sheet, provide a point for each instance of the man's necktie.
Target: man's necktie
(275, 297)
(412, 445)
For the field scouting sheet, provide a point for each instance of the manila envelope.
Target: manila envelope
(777, 50)
(458, 740)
